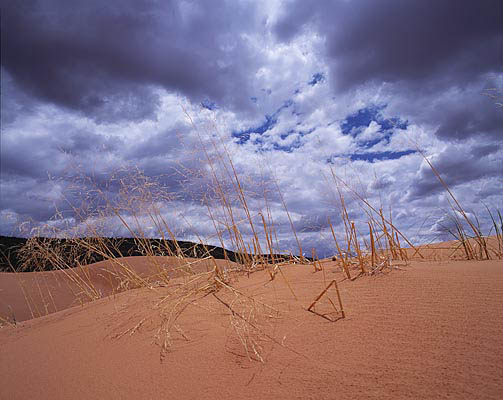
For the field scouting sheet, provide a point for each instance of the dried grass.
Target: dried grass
(227, 202)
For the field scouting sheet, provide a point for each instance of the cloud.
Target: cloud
(415, 53)
(382, 182)
(414, 42)
(469, 116)
(457, 165)
(26, 199)
(50, 151)
(105, 60)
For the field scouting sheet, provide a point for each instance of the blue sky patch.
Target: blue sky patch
(380, 155)
(285, 135)
(208, 104)
(356, 123)
(317, 78)
(372, 156)
(287, 149)
(393, 123)
(270, 120)
(244, 135)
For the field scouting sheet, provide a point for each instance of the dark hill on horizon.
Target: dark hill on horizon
(22, 254)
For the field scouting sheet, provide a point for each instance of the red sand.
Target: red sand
(432, 330)
(27, 295)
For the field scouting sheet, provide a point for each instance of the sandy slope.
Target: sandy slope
(429, 331)
(26, 295)
(454, 250)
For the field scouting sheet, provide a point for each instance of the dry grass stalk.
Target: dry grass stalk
(7, 322)
(130, 331)
(343, 258)
(456, 207)
(246, 322)
(287, 282)
(498, 230)
(323, 292)
(373, 255)
(173, 305)
(301, 254)
(357, 247)
(371, 209)
(316, 262)
(245, 325)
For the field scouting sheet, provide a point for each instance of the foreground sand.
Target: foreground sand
(431, 330)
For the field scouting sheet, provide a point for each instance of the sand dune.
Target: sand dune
(430, 330)
(454, 250)
(27, 295)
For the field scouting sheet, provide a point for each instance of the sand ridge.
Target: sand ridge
(26, 295)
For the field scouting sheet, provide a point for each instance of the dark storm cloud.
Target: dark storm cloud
(160, 144)
(28, 198)
(468, 116)
(458, 166)
(15, 102)
(36, 166)
(37, 155)
(39, 160)
(79, 141)
(392, 41)
(106, 58)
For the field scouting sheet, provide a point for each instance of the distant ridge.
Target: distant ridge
(11, 255)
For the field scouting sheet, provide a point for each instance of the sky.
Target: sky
(292, 90)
